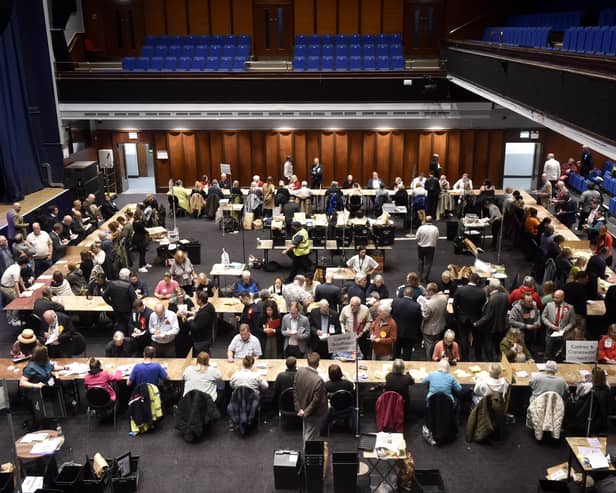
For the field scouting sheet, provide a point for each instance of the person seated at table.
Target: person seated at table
(203, 284)
(38, 373)
(138, 286)
(202, 377)
(97, 377)
(606, 351)
(495, 382)
(514, 348)
(166, 287)
(348, 182)
(58, 333)
(398, 380)
(441, 380)
(76, 279)
(247, 377)
(246, 283)
(244, 344)
(548, 381)
(337, 381)
(374, 182)
(147, 371)
(378, 285)
(383, 334)
(285, 379)
(277, 287)
(294, 183)
(60, 286)
(24, 345)
(593, 399)
(120, 346)
(447, 348)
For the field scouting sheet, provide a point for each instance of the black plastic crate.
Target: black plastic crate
(126, 484)
(430, 480)
(93, 484)
(6, 482)
(69, 479)
(550, 486)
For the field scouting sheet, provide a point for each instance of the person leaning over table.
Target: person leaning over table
(58, 332)
(166, 287)
(203, 284)
(247, 377)
(513, 347)
(606, 351)
(202, 377)
(120, 346)
(147, 371)
(25, 344)
(246, 283)
(39, 371)
(398, 380)
(244, 344)
(442, 381)
(447, 348)
(97, 377)
(164, 327)
(494, 383)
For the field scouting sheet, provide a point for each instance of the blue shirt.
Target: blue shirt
(439, 381)
(147, 373)
(252, 287)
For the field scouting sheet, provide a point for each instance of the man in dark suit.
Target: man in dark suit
(138, 324)
(310, 397)
(596, 269)
(324, 321)
(57, 242)
(328, 291)
(45, 303)
(202, 324)
(468, 307)
(491, 327)
(121, 297)
(359, 287)
(406, 312)
(58, 333)
(285, 379)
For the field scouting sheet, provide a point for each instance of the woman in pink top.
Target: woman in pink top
(96, 377)
(165, 288)
(447, 348)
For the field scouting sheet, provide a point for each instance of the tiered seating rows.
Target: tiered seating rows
(535, 37)
(594, 40)
(607, 17)
(606, 181)
(195, 53)
(559, 21)
(315, 52)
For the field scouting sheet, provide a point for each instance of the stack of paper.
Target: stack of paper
(461, 373)
(593, 457)
(33, 437)
(74, 369)
(46, 447)
(521, 374)
(475, 368)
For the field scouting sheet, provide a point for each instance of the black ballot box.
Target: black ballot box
(318, 234)
(287, 469)
(383, 234)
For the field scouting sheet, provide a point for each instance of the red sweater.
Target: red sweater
(603, 352)
(517, 294)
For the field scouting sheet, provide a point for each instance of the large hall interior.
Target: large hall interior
(307, 245)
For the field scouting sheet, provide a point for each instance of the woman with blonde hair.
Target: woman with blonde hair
(495, 382)
(202, 376)
(269, 193)
(183, 272)
(513, 347)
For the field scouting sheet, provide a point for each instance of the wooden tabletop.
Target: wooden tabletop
(23, 449)
(340, 273)
(221, 304)
(569, 371)
(575, 443)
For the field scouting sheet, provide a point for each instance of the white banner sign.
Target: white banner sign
(342, 343)
(581, 351)
(225, 168)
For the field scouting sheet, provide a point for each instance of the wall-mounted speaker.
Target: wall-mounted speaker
(6, 9)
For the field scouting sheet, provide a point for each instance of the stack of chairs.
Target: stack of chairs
(222, 53)
(344, 52)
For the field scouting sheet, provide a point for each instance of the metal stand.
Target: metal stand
(500, 240)
(175, 225)
(592, 398)
(357, 435)
(343, 259)
(6, 406)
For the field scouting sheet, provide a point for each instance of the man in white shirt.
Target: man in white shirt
(464, 183)
(11, 285)
(427, 237)
(164, 327)
(362, 263)
(287, 169)
(552, 169)
(43, 248)
(244, 344)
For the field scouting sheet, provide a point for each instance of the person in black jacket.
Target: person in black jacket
(577, 292)
(359, 287)
(120, 346)
(406, 312)
(58, 333)
(328, 291)
(138, 324)
(45, 303)
(285, 379)
(324, 321)
(596, 269)
(433, 187)
(492, 326)
(397, 380)
(202, 324)
(468, 307)
(121, 297)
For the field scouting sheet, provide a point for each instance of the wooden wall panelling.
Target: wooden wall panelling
(94, 22)
(496, 158)
(162, 167)
(326, 17)
(370, 16)
(204, 162)
(303, 11)
(190, 158)
(199, 16)
(480, 163)
(451, 162)
(244, 158)
(242, 16)
(425, 152)
(155, 17)
(439, 146)
(369, 163)
(564, 148)
(142, 163)
(272, 148)
(285, 143)
(217, 156)
(313, 149)
(328, 157)
(348, 16)
(299, 152)
(220, 16)
(341, 157)
(230, 156)
(467, 155)
(257, 144)
(176, 156)
(397, 154)
(411, 154)
(355, 164)
(393, 16)
(176, 17)
(383, 156)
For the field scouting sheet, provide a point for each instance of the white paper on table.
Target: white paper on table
(540, 366)
(62, 262)
(262, 372)
(557, 333)
(45, 276)
(594, 442)
(595, 457)
(26, 294)
(33, 437)
(51, 339)
(521, 374)
(584, 374)
(32, 483)
(45, 447)
(36, 285)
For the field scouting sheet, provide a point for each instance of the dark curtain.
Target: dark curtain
(20, 172)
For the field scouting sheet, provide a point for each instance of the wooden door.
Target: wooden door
(423, 28)
(273, 28)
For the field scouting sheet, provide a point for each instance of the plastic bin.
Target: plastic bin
(549, 486)
(69, 479)
(287, 464)
(6, 482)
(430, 480)
(93, 484)
(313, 466)
(129, 483)
(345, 466)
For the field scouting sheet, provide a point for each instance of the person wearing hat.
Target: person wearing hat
(24, 345)
(298, 251)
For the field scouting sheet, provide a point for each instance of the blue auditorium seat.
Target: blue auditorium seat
(198, 64)
(581, 40)
(355, 39)
(342, 62)
(142, 63)
(591, 32)
(314, 63)
(355, 63)
(188, 50)
(382, 63)
(382, 49)
(395, 39)
(313, 39)
(299, 63)
(128, 63)
(396, 49)
(212, 63)
(230, 39)
(242, 50)
(204, 39)
(147, 50)
(164, 39)
(244, 39)
(342, 39)
(218, 39)
(327, 39)
(612, 207)
(190, 40)
(184, 63)
(397, 62)
(176, 39)
(368, 39)
(239, 64)
(342, 49)
(300, 50)
(201, 50)
(156, 63)
(369, 62)
(215, 50)
(300, 39)
(327, 50)
(174, 50)
(368, 50)
(228, 50)
(354, 49)
(327, 62)
(160, 50)
(382, 39)
(170, 64)
(314, 50)
(606, 42)
(151, 40)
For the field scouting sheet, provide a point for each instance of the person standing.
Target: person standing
(434, 312)
(468, 308)
(11, 286)
(296, 331)
(433, 188)
(559, 320)
(316, 173)
(140, 238)
(407, 314)
(491, 327)
(287, 169)
(552, 169)
(298, 251)
(43, 249)
(427, 238)
(202, 324)
(15, 222)
(310, 397)
(164, 327)
(496, 218)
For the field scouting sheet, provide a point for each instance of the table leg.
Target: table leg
(569, 464)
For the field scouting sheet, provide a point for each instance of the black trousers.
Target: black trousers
(403, 348)
(141, 247)
(301, 265)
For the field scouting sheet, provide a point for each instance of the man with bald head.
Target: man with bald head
(356, 318)
(164, 328)
(58, 333)
(559, 319)
(15, 222)
(43, 249)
